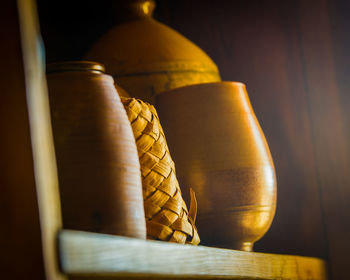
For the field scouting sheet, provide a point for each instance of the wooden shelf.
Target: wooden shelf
(91, 254)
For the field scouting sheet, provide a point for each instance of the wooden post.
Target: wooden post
(29, 201)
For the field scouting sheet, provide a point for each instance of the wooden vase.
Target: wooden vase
(220, 151)
(146, 57)
(98, 166)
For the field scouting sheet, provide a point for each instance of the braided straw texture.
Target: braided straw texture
(167, 217)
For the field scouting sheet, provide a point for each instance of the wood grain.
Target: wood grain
(27, 236)
(337, 194)
(19, 213)
(92, 254)
(36, 199)
(330, 121)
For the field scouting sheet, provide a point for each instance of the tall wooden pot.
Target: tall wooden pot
(220, 151)
(98, 166)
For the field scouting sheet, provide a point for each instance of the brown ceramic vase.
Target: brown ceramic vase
(98, 166)
(220, 151)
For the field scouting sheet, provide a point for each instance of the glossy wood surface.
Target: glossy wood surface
(221, 152)
(97, 160)
(98, 256)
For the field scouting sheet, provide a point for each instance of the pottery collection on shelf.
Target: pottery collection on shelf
(217, 144)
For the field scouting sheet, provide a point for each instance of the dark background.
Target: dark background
(294, 57)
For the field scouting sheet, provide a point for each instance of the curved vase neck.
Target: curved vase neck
(130, 10)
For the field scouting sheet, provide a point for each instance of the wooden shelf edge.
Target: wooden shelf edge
(83, 253)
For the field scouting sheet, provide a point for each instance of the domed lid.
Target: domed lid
(142, 44)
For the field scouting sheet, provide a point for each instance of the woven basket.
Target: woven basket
(167, 217)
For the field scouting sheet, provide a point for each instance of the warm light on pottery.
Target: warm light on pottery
(220, 151)
(146, 57)
(97, 160)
